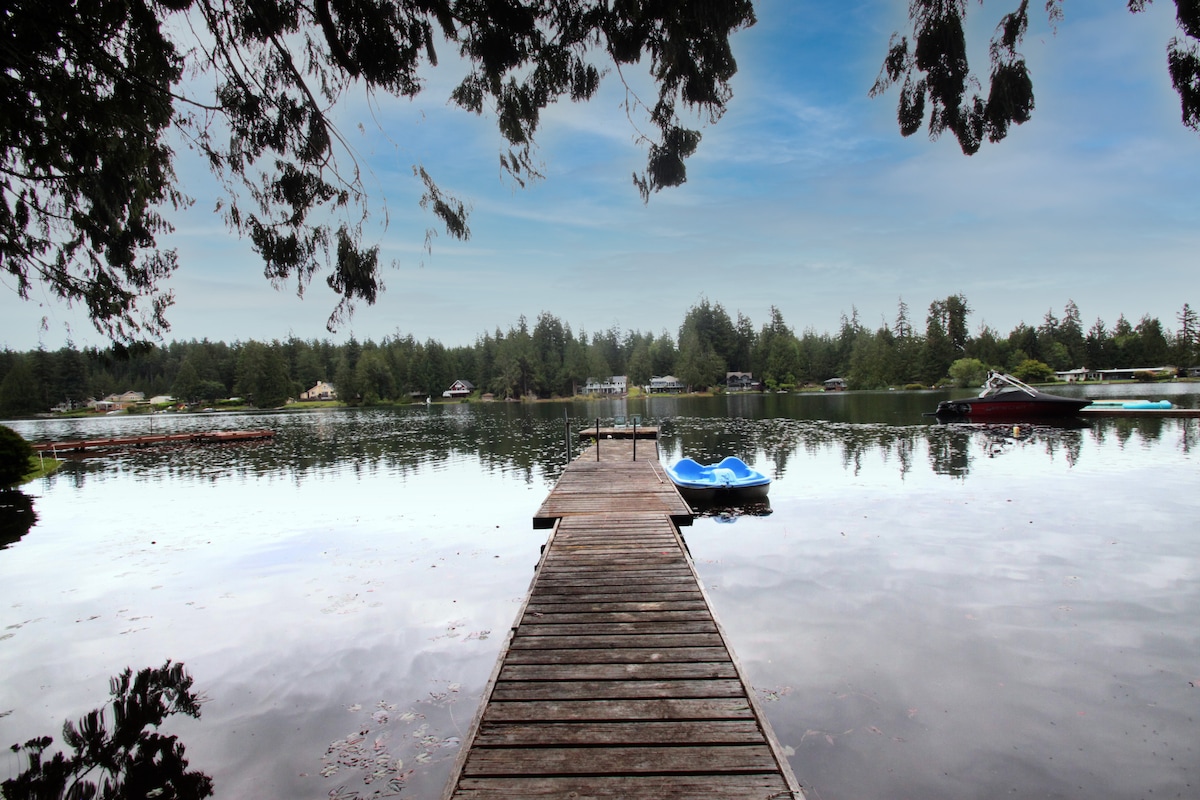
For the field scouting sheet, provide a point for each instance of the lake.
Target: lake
(925, 610)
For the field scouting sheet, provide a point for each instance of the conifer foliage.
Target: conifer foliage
(95, 91)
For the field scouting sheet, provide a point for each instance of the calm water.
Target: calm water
(933, 611)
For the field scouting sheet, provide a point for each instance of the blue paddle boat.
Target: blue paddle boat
(728, 481)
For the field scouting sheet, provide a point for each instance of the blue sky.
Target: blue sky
(804, 196)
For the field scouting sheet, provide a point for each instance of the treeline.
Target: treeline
(550, 360)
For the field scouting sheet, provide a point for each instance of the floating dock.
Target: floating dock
(1139, 413)
(209, 437)
(617, 680)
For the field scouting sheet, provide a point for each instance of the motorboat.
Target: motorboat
(1005, 397)
(730, 480)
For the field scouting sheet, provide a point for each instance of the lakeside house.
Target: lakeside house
(835, 385)
(740, 382)
(320, 391)
(668, 384)
(459, 389)
(615, 384)
(118, 402)
(1123, 374)
(1074, 375)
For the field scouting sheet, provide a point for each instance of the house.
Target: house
(740, 382)
(666, 383)
(119, 402)
(1131, 373)
(459, 388)
(835, 385)
(1074, 375)
(617, 384)
(320, 391)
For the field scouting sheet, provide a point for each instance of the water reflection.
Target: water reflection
(120, 754)
(530, 442)
(921, 600)
(16, 516)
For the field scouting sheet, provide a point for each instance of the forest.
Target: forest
(547, 359)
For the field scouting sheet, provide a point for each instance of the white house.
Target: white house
(320, 391)
(666, 383)
(617, 384)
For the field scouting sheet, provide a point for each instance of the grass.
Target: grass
(40, 467)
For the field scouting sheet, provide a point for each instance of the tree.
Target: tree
(262, 375)
(187, 382)
(968, 372)
(935, 71)
(1033, 371)
(95, 92)
(1186, 338)
(15, 457)
(711, 343)
(19, 391)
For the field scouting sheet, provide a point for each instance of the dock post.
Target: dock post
(635, 422)
(597, 438)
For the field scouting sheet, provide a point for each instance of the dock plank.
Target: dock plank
(616, 680)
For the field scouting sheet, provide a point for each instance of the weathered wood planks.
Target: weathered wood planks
(616, 681)
(614, 484)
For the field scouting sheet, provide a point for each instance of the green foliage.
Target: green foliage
(1033, 371)
(967, 372)
(130, 758)
(936, 74)
(97, 89)
(550, 359)
(20, 393)
(15, 457)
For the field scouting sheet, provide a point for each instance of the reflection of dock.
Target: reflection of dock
(208, 437)
(617, 680)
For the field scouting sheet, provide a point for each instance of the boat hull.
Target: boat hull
(712, 496)
(730, 481)
(1043, 405)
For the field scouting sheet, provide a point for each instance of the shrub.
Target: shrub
(968, 372)
(15, 455)
(1033, 371)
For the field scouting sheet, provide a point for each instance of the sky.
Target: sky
(804, 196)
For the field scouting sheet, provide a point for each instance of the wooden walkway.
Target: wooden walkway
(617, 681)
(205, 437)
(614, 483)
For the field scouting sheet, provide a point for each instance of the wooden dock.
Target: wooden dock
(1140, 413)
(617, 681)
(207, 437)
(614, 482)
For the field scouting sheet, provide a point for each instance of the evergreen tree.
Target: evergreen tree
(1187, 337)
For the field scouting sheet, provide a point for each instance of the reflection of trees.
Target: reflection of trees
(528, 439)
(130, 760)
(16, 516)
(949, 450)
